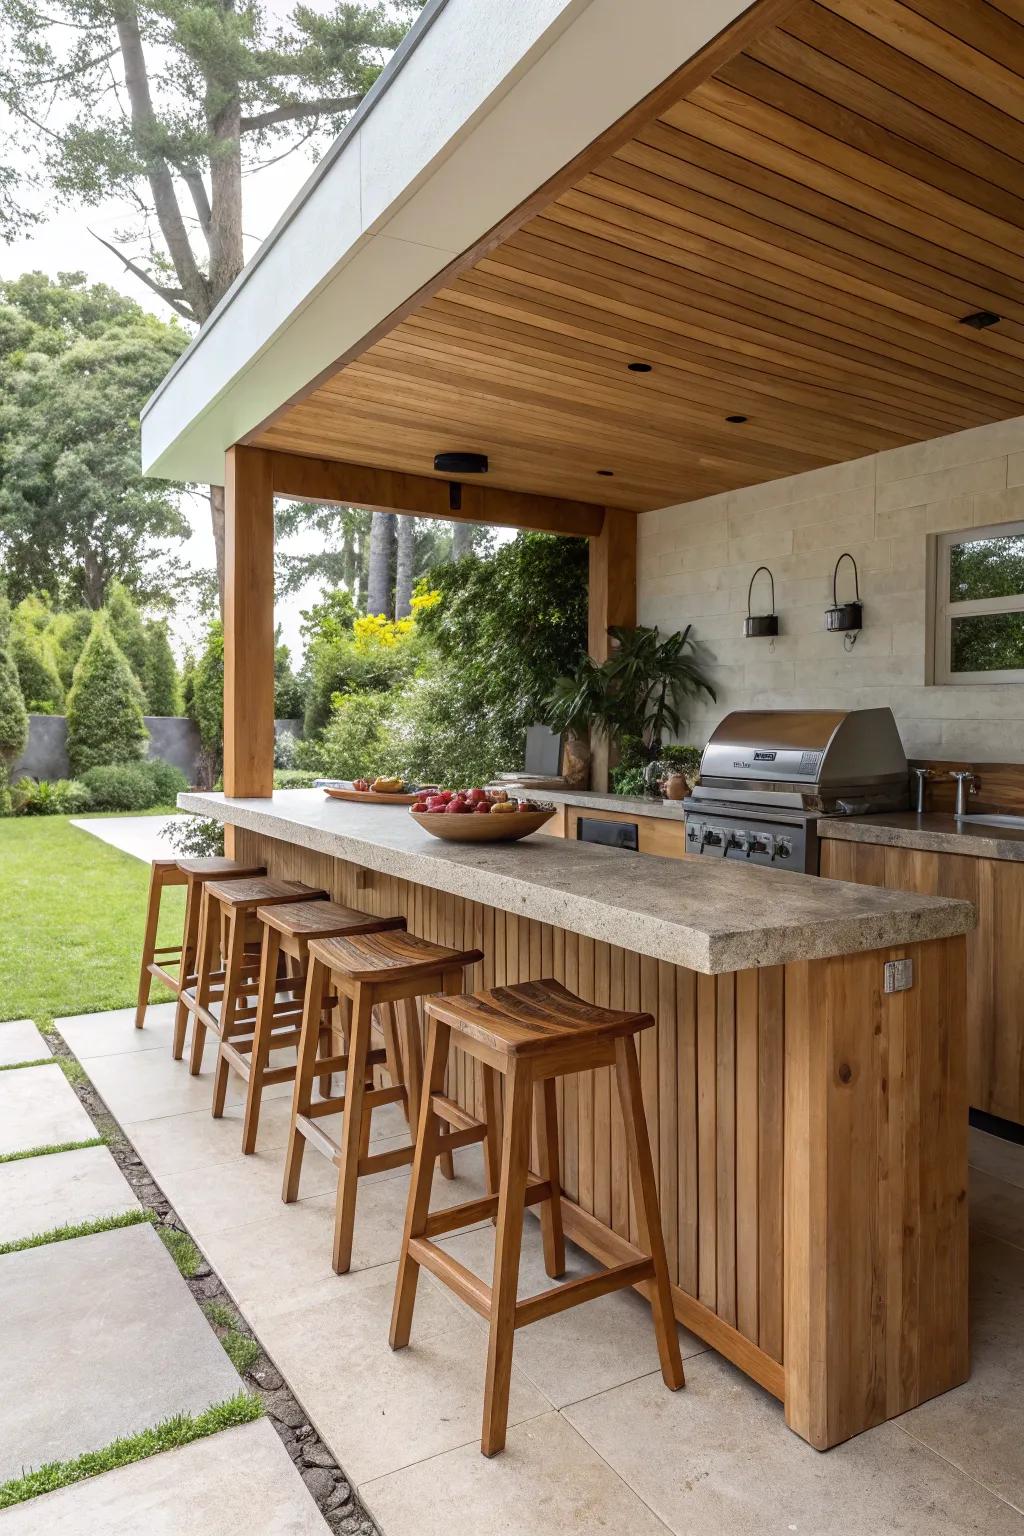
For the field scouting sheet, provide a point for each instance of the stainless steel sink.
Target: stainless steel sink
(995, 821)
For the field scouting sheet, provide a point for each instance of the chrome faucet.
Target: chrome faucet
(966, 784)
(922, 775)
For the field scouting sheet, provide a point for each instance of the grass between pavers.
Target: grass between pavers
(241, 1348)
(180, 1430)
(72, 912)
(37, 1061)
(52, 1147)
(182, 1250)
(77, 1229)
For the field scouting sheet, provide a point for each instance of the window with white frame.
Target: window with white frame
(979, 605)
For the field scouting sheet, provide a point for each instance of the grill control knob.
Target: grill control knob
(783, 848)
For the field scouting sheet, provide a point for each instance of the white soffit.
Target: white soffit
(487, 101)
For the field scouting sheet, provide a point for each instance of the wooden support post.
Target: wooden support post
(612, 601)
(248, 623)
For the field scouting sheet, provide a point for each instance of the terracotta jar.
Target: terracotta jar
(675, 786)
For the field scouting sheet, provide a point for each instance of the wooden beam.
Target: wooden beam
(360, 485)
(612, 600)
(248, 623)
(725, 45)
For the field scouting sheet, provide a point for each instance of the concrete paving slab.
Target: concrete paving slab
(999, 1158)
(41, 1193)
(39, 1108)
(99, 1337)
(113, 1032)
(146, 1085)
(144, 837)
(183, 1143)
(238, 1483)
(21, 1041)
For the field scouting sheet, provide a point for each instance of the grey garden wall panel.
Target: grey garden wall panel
(176, 740)
(171, 737)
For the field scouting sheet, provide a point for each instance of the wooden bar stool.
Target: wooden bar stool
(286, 934)
(228, 929)
(191, 873)
(531, 1034)
(372, 971)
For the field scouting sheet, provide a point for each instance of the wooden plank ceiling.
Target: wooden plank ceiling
(796, 242)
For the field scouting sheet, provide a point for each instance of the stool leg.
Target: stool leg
(228, 1007)
(317, 978)
(546, 1113)
(352, 1130)
(515, 1158)
(648, 1216)
(427, 1149)
(156, 885)
(261, 1038)
(492, 1141)
(389, 1029)
(209, 927)
(413, 1059)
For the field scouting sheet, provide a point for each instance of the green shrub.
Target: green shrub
(295, 778)
(5, 623)
(358, 740)
(41, 686)
(196, 837)
(161, 677)
(284, 749)
(105, 722)
(206, 705)
(68, 633)
(127, 629)
(46, 797)
(13, 714)
(119, 787)
(168, 782)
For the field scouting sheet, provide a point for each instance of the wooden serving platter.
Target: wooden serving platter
(368, 796)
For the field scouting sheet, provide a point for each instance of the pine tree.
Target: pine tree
(105, 723)
(128, 631)
(13, 714)
(41, 687)
(161, 679)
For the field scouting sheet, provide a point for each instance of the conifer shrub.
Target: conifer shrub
(161, 676)
(41, 687)
(104, 711)
(129, 633)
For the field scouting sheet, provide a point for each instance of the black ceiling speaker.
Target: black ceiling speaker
(461, 463)
(981, 319)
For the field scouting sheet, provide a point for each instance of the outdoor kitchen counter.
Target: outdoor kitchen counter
(711, 916)
(809, 1124)
(928, 833)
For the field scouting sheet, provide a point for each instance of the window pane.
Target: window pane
(988, 642)
(986, 568)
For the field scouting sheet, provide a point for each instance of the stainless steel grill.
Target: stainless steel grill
(767, 775)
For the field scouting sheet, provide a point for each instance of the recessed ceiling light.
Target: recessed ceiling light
(639, 367)
(606, 471)
(736, 420)
(981, 319)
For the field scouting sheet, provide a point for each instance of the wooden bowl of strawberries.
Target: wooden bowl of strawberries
(478, 816)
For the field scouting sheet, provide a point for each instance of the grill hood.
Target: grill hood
(817, 753)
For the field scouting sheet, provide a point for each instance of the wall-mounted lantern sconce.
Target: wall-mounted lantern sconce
(757, 626)
(459, 464)
(846, 618)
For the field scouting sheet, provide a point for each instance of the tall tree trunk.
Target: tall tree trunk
(95, 583)
(406, 535)
(217, 519)
(462, 540)
(382, 545)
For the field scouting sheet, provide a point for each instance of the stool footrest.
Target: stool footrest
(587, 1288)
(381, 1162)
(454, 1113)
(168, 949)
(471, 1211)
(467, 1138)
(157, 970)
(467, 1286)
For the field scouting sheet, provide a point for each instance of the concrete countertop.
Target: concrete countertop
(709, 915)
(597, 800)
(930, 833)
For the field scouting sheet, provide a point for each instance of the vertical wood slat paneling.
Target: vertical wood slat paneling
(711, 1072)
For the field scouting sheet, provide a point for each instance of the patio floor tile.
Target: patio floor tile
(379, 1410)
(146, 1085)
(241, 1480)
(99, 1338)
(547, 1481)
(21, 1041)
(178, 1143)
(577, 1353)
(144, 837)
(1001, 1159)
(997, 1208)
(240, 1190)
(113, 1032)
(67, 1187)
(980, 1426)
(717, 1457)
(39, 1108)
(285, 1261)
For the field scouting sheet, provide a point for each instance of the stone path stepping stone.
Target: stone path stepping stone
(62, 1189)
(99, 1337)
(241, 1480)
(39, 1108)
(21, 1041)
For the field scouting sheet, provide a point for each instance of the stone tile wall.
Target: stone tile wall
(696, 560)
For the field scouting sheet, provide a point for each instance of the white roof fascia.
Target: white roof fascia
(484, 102)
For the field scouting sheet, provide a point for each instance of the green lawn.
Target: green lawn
(72, 911)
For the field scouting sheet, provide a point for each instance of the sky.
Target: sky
(65, 241)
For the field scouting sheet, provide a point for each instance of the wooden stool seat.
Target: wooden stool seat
(231, 905)
(531, 1033)
(286, 929)
(369, 971)
(172, 964)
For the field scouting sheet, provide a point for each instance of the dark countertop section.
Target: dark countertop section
(930, 833)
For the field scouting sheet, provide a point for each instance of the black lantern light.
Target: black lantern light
(757, 626)
(845, 618)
